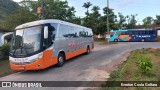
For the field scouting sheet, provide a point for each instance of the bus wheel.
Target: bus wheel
(115, 40)
(61, 60)
(142, 40)
(88, 50)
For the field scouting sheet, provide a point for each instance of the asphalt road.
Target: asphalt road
(80, 68)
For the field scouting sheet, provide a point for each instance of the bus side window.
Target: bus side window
(84, 34)
(81, 32)
(63, 31)
(118, 33)
(131, 33)
(76, 32)
(123, 33)
(87, 34)
(90, 34)
(135, 33)
(54, 30)
(143, 32)
(151, 32)
(139, 32)
(72, 32)
(147, 32)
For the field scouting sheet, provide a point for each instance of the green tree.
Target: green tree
(77, 20)
(148, 21)
(7, 7)
(112, 20)
(86, 20)
(122, 21)
(157, 20)
(22, 15)
(131, 21)
(53, 9)
(87, 6)
(95, 19)
(58, 9)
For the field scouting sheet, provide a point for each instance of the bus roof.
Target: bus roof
(130, 30)
(39, 22)
(118, 30)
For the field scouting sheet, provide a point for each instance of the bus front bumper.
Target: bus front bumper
(37, 65)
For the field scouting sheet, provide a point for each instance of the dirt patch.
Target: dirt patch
(116, 63)
(102, 73)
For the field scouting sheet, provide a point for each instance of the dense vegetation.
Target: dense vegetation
(142, 65)
(58, 9)
(7, 7)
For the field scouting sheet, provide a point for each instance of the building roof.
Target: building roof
(149, 26)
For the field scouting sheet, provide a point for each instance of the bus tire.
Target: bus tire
(115, 40)
(88, 50)
(61, 60)
(142, 40)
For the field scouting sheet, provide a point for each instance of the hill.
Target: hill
(7, 7)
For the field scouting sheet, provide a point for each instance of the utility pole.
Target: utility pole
(107, 16)
(40, 10)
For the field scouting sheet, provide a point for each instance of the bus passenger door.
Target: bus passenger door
(47, 47)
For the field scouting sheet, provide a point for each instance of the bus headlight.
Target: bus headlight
(26, 60)
(33, 60)
(39, 56)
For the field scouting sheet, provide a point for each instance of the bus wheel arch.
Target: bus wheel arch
(143, 40)
(61, 58)
(115, 40)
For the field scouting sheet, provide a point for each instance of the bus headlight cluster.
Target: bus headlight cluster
(26, 60)
(39, 56)
(33, 60)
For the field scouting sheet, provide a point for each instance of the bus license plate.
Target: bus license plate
(21, 67)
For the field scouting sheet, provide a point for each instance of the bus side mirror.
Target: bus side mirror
(45, 32)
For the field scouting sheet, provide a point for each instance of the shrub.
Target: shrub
(115, 74)
(145, 65)
(5, 49)
(157, 53)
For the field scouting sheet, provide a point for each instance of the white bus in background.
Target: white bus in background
(41, 44)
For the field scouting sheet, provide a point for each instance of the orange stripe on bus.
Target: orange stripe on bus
(75, 53)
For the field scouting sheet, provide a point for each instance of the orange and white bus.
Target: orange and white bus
(41, 44)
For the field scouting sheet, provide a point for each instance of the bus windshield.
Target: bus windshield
(26, 41)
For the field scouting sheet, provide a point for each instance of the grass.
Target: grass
(129, 70)
(5, 67)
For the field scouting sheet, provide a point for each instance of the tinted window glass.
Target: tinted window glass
(90, 34)
(54, 30)
(63, 30)
(118, 33)
(151, 32)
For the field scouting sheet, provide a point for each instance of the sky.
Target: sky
(143, 8)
